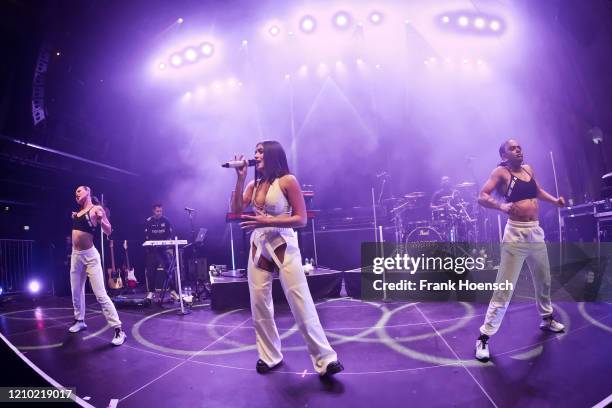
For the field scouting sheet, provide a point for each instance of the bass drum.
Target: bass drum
(424, 234)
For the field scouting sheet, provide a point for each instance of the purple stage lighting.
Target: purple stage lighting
(1, 290)
(479, 23)
(274, 31)
(176, 60)
(375, 17)
(34, 287)
(463, 21)
(495, 25)
(162, 66)
(359, 61)
(179, 20)
(207, 49)
(191, 55)
(342, 20)
(307, 24)
(445, 19)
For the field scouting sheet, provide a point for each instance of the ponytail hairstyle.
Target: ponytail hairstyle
(275, 162)
(94, 199)
(502, 151)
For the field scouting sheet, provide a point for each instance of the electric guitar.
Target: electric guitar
(114, 277)
(131, 280)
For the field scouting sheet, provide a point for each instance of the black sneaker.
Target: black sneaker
(333, 368)
(263, 368)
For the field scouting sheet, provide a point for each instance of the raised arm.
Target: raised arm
(486, 199)
(102, 219)
(242, 196)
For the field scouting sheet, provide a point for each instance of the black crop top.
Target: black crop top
(519, 189)
(83, 223)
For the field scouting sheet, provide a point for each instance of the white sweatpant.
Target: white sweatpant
(83, 264)
(523, 241)
(295, 286)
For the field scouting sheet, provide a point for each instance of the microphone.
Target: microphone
(384, 174)
(234, 164)
(189, 209)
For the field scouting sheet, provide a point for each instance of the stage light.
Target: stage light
(179, 20)
(303, 70)
(377, 66)
(274, 31)
(176, 60)
(217, 85)
(287, 76)
(1, 290)
(342, 20)
(191, 55)
(231, 82)
(290, 33)
(479, 23)
(307, 24)
(34, 286)
(58, 53)
(495, 25)
(448, 60)
(245, 43)
(466, 61)
(432, 60)
(463, 21)
(480, 62)
(375, 17)
(239, 83)
(359, 61)
(445, 19)
(207, 49)
(26, 227)
(162, 66)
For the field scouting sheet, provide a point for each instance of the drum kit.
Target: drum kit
(453, 220)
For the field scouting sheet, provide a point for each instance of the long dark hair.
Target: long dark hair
(275, 162)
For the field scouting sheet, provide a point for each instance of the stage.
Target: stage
(395, 355)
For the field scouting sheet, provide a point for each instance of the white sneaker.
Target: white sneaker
(119, 338)
(551, 325)
(174, 295)
(77, 326)
(482, 348)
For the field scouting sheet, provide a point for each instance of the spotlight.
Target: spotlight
(245, 43)
(495, 25)
(480, 62)
(1, 290)
(58, 53)
(342, 20)
(432, 60)
(287, 76)
(445, 19)
(377, 66)
(191, 55)
(207, 49)
(26, 227)
(231, 82)
(359, 61)
(307, 24)
(274, 31)
(375, 17)
(290, 34)
(34, 286)
(162, 66)
(179, 20)
(303, 70)
(176, 60)
(463, 21)
(239, 83)
(479, 23)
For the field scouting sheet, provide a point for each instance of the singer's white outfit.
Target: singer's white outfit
(84, 264)
(523, 241)
(266, 241)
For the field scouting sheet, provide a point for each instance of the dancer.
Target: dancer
(523, 240)
(277, 200)
(85, 262)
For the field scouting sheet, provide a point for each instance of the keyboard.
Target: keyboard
(165, 242)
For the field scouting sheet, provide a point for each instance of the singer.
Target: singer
(523, 240)
(85, 262)
(277, 201)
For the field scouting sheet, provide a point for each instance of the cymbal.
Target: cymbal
(446, 198)
(415, 194)
(466, 184)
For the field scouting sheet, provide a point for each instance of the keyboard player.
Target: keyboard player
(157, 228)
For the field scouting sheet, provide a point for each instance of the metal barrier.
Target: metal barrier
(15, 263)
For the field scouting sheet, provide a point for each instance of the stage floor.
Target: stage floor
(395, 355)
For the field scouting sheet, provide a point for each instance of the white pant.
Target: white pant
(523, 241)
(83, 264)
(294, 284)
